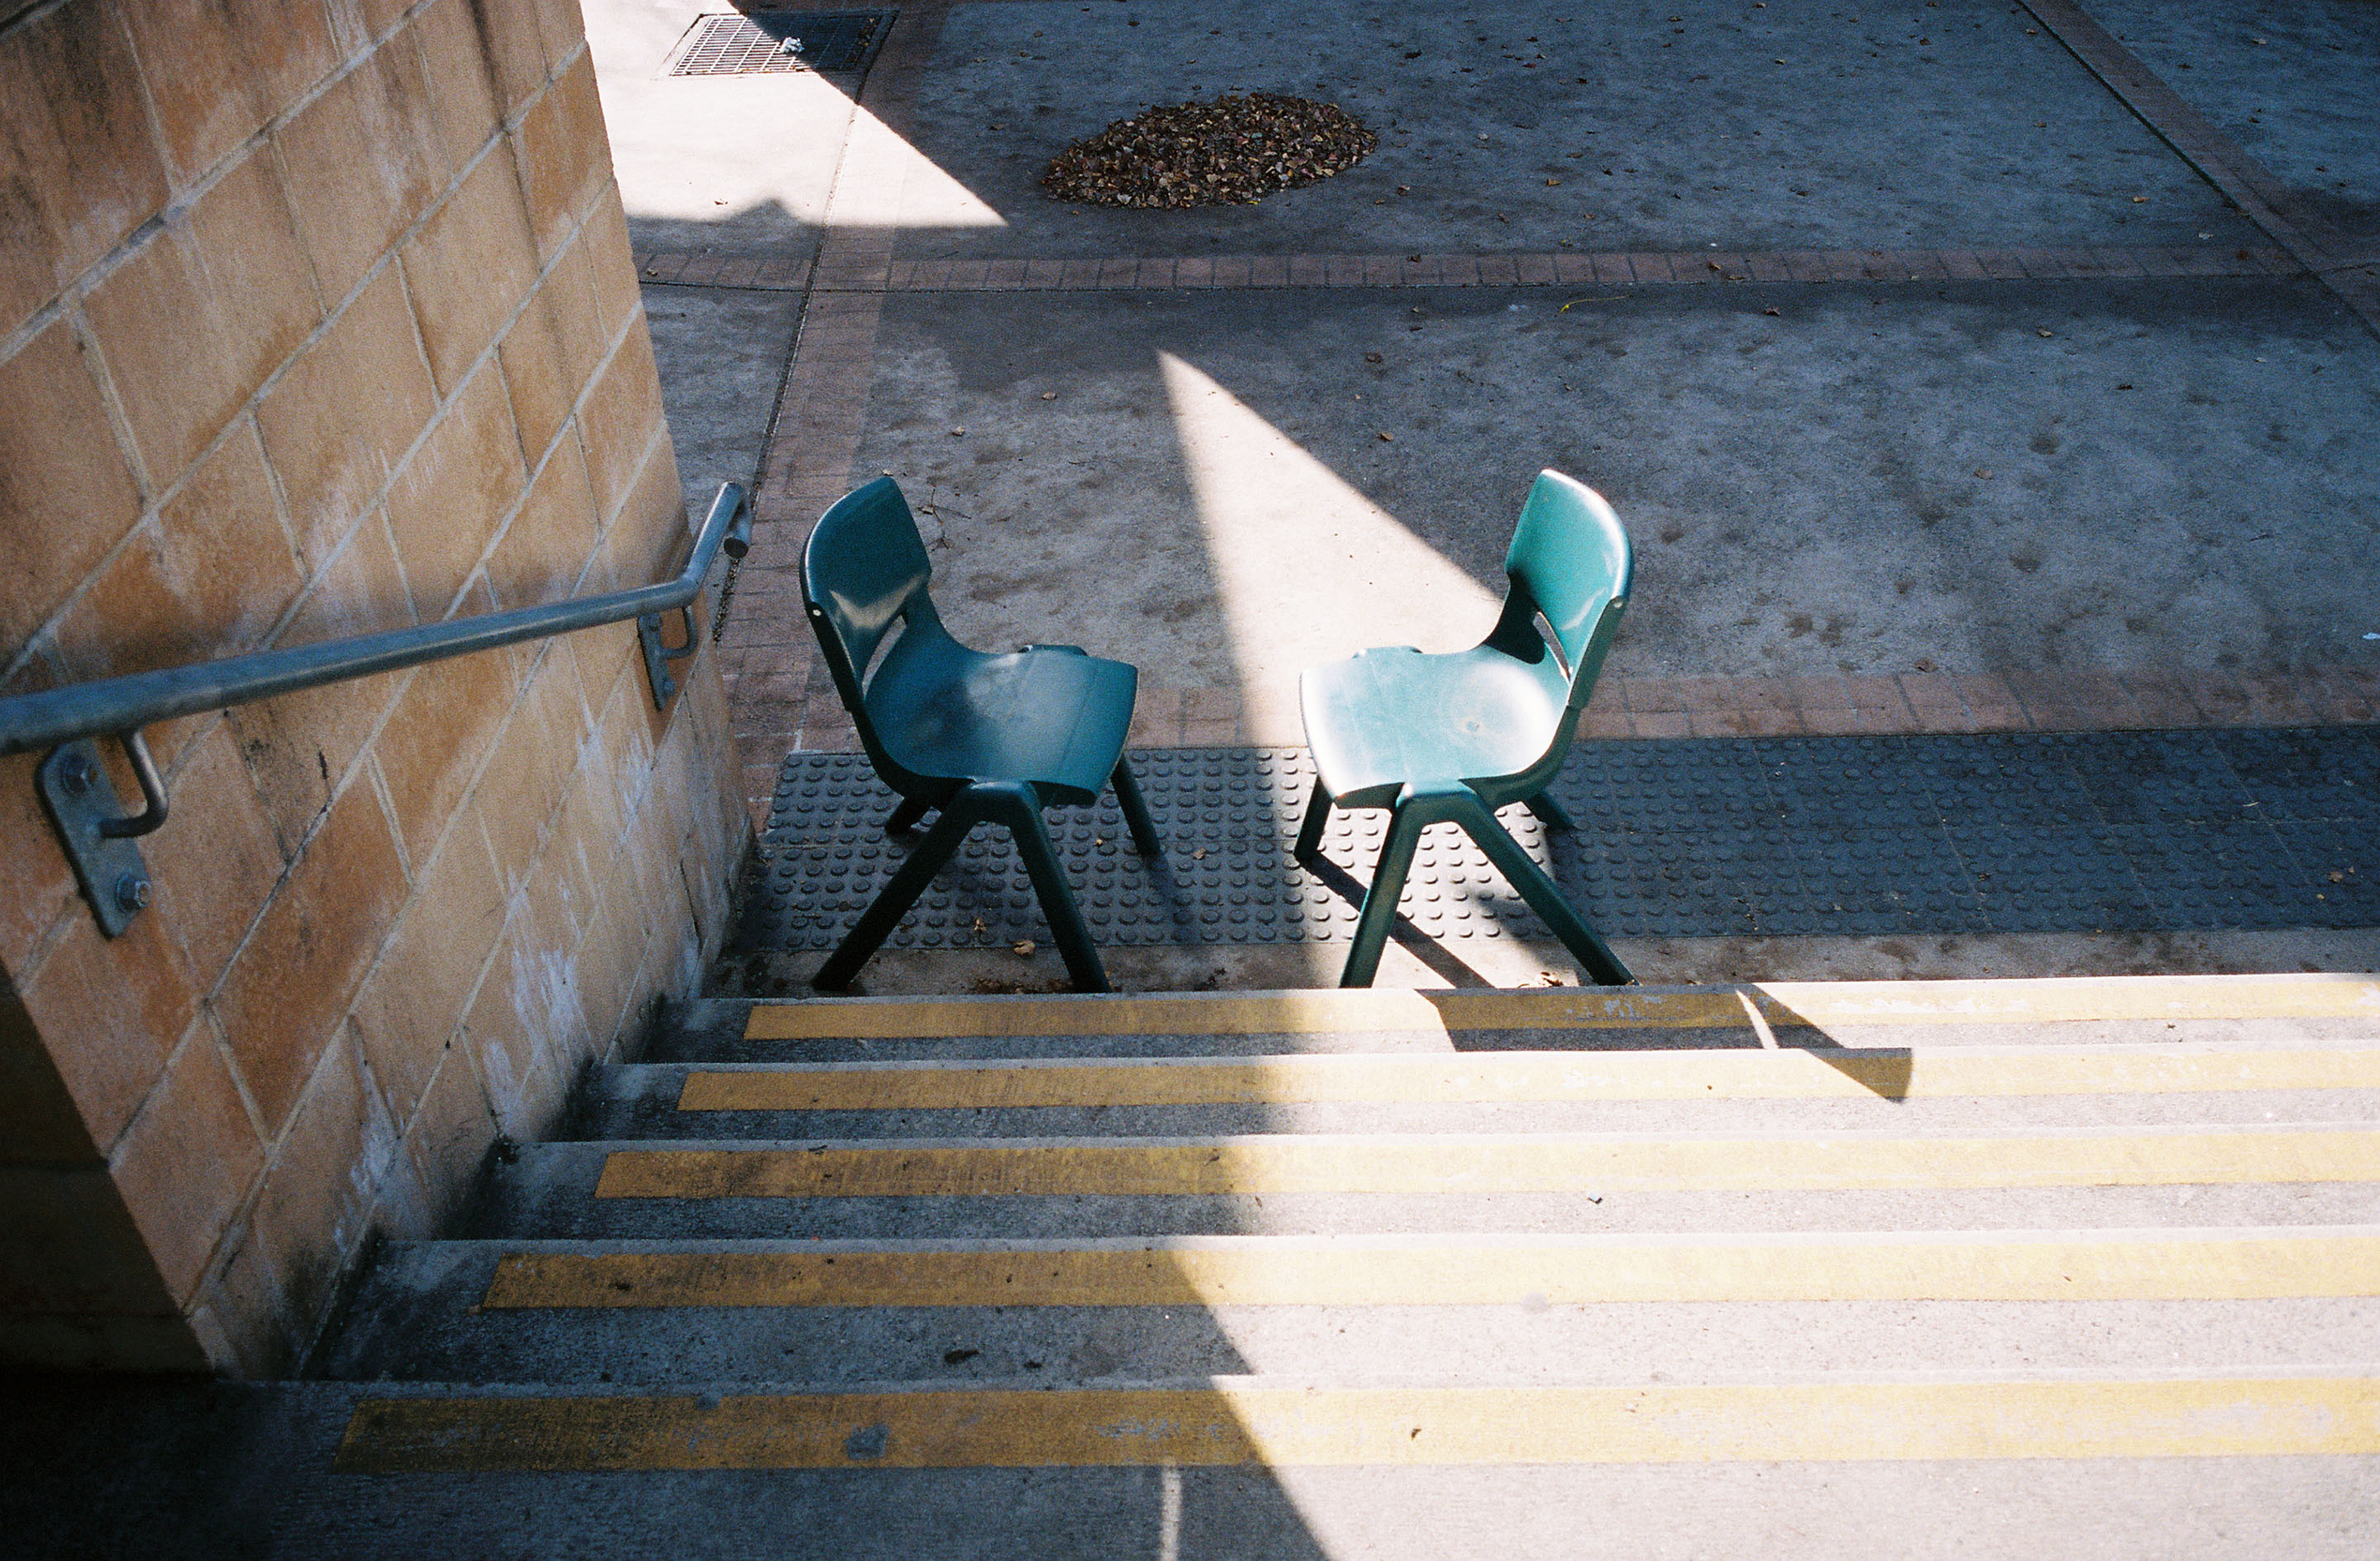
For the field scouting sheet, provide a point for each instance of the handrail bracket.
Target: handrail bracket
(96, 832)
(657, 656)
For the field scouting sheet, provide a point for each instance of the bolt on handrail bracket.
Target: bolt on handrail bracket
(81, 801)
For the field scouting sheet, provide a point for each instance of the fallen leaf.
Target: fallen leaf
(2043, 333)
(956, 433)
(1022, 948)
(1049, 395)
(1768, 311)
(1388, 439)
(1371, 358)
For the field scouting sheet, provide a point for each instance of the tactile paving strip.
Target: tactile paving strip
(1786, 836)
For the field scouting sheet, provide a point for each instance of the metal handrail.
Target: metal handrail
(107, 705)
(83, 805)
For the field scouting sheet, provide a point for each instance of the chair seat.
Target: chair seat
(1384, 718)
(1051, 716)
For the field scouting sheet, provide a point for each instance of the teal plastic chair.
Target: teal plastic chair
(1450, 739)
(977, 738)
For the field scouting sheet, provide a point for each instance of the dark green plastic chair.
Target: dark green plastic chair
(1450, 739)
(978, 738)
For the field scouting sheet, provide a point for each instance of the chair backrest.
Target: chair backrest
(863, 564)
(864, 570)
(1569, 560)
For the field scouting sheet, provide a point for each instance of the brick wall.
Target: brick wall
(317, 317)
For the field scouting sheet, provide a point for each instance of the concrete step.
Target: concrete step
(329, 1469)
(1284, 1424)
(1871, 1013)
(1404, 1183)
(1475, 1311)
(1383, 1273)
(1916, 1089)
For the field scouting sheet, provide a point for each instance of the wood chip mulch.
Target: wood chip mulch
(1234, 150)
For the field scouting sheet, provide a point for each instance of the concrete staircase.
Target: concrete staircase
(1971, 1266)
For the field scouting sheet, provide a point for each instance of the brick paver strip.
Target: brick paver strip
(1913, 702)
(847, 271)
(2265, 200)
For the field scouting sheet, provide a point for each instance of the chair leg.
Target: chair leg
(1318, 819)
(1135, 810)
(1550, 812)
(904, 817)
(960, 814)
(1019, 809)
(1525, 875)
(1412, 814)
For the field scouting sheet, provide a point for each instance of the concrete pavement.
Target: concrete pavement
(1957, 366)
(1880, 478)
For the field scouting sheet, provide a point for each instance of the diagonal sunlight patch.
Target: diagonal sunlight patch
(1309, 569)
(699, 151)
(703, 150)
(888, 183)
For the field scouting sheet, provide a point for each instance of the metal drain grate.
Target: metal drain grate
(771, 43)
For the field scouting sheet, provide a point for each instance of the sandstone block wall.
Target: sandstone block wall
(317, 317)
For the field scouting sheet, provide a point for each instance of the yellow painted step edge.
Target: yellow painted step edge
(1290, 1426)
(1456, 1274)
(1819, 1004)
(1894, 1073)
(1478, 1164)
